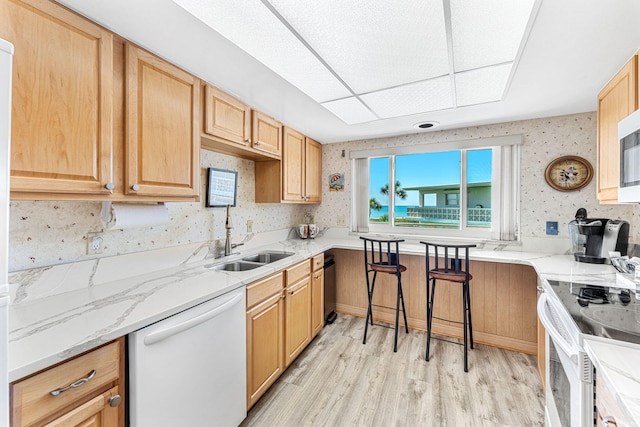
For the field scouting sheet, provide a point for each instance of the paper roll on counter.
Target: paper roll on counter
(126, 216)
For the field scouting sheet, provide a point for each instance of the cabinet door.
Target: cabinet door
(317, 301)
(226, 117)
(267, 134)
(62, 99)
(97, 412)
(293, 166)
(297, 318)
(616, 101)
(313, 172)
(163, 131)
(265, 342)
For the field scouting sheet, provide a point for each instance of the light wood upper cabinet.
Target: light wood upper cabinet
(301, 168)
(226, 118)
(62, 98)
(162, 127)
(293, 166)
(267, 134)
(313, 171)
(617, 100)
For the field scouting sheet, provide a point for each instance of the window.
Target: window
(465, 189)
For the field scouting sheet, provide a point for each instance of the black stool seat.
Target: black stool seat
(451, 265)
(383, 256)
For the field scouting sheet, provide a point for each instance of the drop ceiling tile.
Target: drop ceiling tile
(373, 45)
(487, 32)
(481, 85)
(350, 110)
(430, 95)
(269, 41)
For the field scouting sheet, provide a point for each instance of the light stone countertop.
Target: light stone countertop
(617, 366)
(60, 311)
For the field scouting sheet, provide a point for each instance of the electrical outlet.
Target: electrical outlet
(552, 227)
(249, 226)
(341, 221)
(95, 243)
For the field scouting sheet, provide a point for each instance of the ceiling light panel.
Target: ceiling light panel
(253, 27)
(373, 45)
(350, 110)
(487, 32)
(430, 95)
(481, 85)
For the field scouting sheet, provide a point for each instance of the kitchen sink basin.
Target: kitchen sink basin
(267, 257)
(238, 266)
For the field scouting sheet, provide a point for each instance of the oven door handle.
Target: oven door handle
(550, 327)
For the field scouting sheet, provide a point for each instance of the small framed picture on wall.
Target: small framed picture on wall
(221, 188)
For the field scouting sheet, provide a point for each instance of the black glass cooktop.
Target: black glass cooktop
(603, 311)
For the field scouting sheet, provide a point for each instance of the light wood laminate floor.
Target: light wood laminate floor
(338, 381)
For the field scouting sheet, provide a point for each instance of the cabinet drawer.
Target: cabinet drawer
(263, 289)
(31, 397)
(298, 271)
(317, 262)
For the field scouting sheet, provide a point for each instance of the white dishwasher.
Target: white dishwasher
(190, 369)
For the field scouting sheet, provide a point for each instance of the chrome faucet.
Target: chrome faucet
(228, 226)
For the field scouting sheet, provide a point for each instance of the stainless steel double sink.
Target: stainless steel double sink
(252, 261)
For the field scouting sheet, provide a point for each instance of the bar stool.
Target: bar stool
(449, 269)
(383, 256)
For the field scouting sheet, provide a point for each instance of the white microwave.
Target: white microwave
(629, 135)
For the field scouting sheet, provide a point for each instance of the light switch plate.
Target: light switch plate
(552, 227)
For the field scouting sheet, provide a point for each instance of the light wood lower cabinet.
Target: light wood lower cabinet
(317, 295)
(297, 310)
(99, 401)
(503, 299)
(607, 407)
(265, 335)
(279, 323)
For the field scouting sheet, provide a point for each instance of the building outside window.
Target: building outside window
(455, 191)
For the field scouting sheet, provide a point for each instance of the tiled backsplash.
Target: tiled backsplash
(544, 140)
(46, 233)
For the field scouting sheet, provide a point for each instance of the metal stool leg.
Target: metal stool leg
(395, 340)
(404, 312)
(465, 290)
(430, 312)
(469, 312)
(369, 308)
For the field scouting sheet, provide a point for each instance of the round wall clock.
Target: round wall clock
(568, 173)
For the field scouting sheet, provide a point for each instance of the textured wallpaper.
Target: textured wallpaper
(544, 140)
(47, 233)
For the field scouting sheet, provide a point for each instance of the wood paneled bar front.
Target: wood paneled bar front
(503, 299)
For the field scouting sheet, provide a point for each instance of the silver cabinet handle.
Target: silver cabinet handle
(115, 400)
(109, 186)
(609, 421)
(135, 187)
(316, 277)
(74, 384)
(255, 143)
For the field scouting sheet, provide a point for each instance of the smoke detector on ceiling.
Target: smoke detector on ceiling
(425, 125)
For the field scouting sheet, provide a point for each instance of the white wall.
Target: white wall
(544, 140)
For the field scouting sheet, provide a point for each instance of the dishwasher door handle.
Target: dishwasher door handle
(163, 334)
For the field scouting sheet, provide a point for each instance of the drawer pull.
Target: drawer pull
(75, 384)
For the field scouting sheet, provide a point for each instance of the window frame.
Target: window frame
(504, 191)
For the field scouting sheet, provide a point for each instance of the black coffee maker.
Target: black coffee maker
(593, 238)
